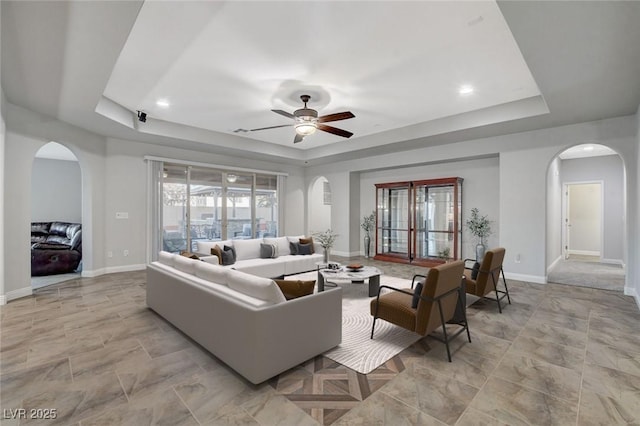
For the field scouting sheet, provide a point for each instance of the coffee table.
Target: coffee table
(367, 272)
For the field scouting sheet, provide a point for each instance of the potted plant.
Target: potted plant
(445, 253)
(368, 224)
(326, 240)
(480, 227)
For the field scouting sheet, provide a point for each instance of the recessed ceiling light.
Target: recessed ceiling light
(465, 89)
(588, 148)
(164, 103)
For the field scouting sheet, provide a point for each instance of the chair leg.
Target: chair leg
(444, 330)
(373, 326)
(506, 289)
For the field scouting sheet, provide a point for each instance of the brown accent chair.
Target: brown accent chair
(487, 277)
(436, 303)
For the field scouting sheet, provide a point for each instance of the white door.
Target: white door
(584, 219)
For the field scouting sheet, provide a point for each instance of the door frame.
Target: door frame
(565, 214)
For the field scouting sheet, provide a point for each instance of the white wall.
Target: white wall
(2, 203)
(319, 212)
(480, 189)
(554, 213)
(523, 166)
(56, 191)
(608, 169)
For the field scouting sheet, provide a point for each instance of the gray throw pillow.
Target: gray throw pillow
(293, 247)
(228, 255)
(268, 251)
(304, 249)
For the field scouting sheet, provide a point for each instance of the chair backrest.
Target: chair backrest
(440, 280)
(491, 265)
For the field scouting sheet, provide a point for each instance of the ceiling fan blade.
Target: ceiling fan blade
(272, 127)
(285, 113)
(298, 138)
(334, 130)
(335, 117)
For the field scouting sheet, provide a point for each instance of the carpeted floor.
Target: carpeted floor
(586, 272)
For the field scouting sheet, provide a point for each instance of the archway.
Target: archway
(319, 205)
(56, 216)
(586, 202)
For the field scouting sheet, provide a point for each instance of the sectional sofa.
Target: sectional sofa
(249, 260)
(243, 319)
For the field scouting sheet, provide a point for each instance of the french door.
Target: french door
(419, 221)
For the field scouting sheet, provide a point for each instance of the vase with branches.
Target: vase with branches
(480, 227)
(368, 224)
(326, 240)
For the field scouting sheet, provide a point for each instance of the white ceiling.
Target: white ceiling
(395, 65)
(223, 66)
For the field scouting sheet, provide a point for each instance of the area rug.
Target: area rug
(357, 351)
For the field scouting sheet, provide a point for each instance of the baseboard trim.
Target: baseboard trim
(15, 294)
(125, 268)
(553, 264)
(524, 277)
(346, 253)
(584, 253)
(612, 261)
(630, 291)
(113, 270)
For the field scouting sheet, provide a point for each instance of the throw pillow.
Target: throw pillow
(189, 255)
(293, 289)
(475, 270)
(217, 251)
(308, 241)
(304, 249)
(294, 248)
(416, 295)
(268, 251)
(228, 256)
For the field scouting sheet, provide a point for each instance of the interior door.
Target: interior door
(584, 219)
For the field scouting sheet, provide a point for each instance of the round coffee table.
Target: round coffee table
(367, 272)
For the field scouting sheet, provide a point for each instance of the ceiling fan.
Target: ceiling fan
(306, 121)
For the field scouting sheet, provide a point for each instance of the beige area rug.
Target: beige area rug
(357, 351)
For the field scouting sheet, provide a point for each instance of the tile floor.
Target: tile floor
(90, 349)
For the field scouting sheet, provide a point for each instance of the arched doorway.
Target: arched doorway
(586, 199)
(319, 205)
(56, 216)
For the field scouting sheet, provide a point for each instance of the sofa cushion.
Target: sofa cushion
(72, 229)
(247, 249)
(295, 288)
(166, 258)
(185, 264)
(214, 273)
(40, 227)
(59, 239)
(268, 268)
(282, 243)
(262, 288)
(76, 241)
(228, 255)
(268, 251)
(59, 228)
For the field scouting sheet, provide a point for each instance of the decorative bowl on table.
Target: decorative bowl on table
(354, 267)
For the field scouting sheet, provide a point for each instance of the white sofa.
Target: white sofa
(248, 256)
(242, 319)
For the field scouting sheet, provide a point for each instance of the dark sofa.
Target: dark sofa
(56, 247)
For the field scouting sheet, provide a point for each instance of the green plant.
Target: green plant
(369, 222)
(326, 238)
(479, 226)
(445, 253)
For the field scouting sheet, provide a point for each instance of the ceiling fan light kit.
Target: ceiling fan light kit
(306, 121)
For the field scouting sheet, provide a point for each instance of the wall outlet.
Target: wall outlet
(125, 253)
(122, 215)
(109, 254)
